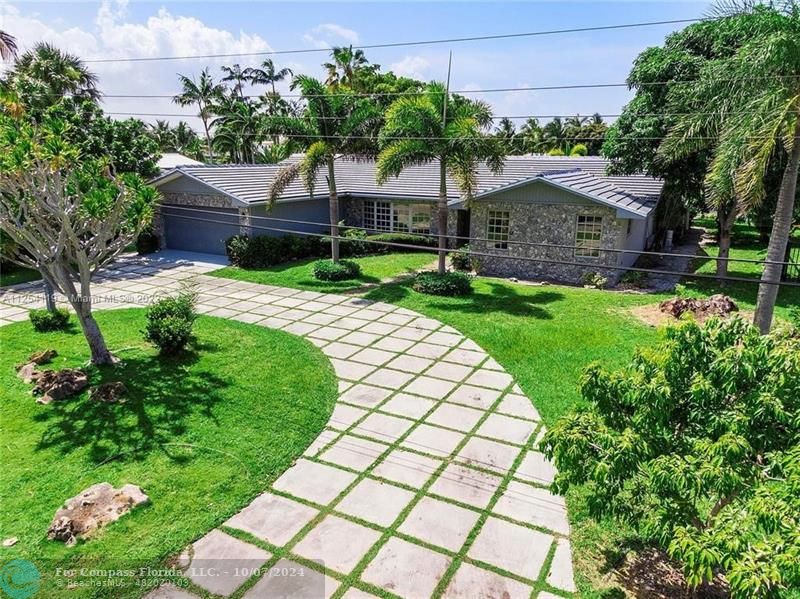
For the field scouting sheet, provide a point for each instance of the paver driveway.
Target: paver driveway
(425, 482)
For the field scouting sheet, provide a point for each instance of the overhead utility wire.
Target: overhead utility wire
(430, 42)
(170, 207)
(507, 257)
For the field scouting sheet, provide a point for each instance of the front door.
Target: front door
(462, 227)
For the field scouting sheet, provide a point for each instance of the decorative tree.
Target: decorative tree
(203, 92)
(697, 445)
(70, 217)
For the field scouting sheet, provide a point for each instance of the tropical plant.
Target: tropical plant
(203, 93)
(335, 125)
(432, 127)
(506, 133)
(70, 216)
(697, 445)
(268, 74)
(8, 46)
(750, 102)
(348, 67)
(238, 128)
(237, 76)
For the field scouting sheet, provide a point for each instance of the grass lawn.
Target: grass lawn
(201, 434)
(374, 269)
(11, 275)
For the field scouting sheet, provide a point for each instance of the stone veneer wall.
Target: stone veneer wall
(545, 223)
(200, 200)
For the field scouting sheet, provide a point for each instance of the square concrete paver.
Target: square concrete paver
(379, 328)
(329, 334)
(470, 582)
(488, 454)
(290, 579)
(446, 339)
(359, 338)
(337, 543)
(475, 397)
(411, 364)
(379, 503)
(535, 506)
(392, 343)
(490, 378)
(518, 405)
(430, 387)
(343, 416)
(449, 371)
(315, 482)
(536, 468)
(513, 548)
(353, 452)
(506, 428)
(340, 350)
(320, 442)
(221, 564)
(406, 467)
(454, 416)
(406, 569)
(376, 357)
(354, 593)
(432, 440)
(439, 523)
(408, 405)
(351, 371)
(169, 591)
(465, 357)
(392, 379)
(273, 518)
(466, 485)
(365, 395)
(383, 427)
(561, 575)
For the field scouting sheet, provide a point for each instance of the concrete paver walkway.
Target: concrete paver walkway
(425, 482)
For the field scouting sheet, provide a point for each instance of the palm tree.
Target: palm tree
(347, 66)
(238, 76)
(237, 129)
(268, 74)
(8, 46)
(752, 103)
(163, 134)
(431, 127)
(335, 125)
(531, 134)
(554, 134)
(44, 75)
(204, 93)
(187, 141)
(506, 133)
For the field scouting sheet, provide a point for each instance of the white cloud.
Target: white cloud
(415, 67)
(326, 35)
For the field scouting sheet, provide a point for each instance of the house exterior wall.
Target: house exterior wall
(170, 197)
(310, 211)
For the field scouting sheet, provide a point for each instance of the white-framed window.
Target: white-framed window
(588, 233)
(397, 217)
(497, 228)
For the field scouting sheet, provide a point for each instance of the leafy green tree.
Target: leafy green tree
(238, 129)
(203, 93)
(348, 67)
(69, 215)
(431, 127)
(750, 102)
(181, 139)
(335, 125)
(268, 74)
(696, 444)
(8, 46)
(506, 134)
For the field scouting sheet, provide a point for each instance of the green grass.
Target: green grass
(12, 275)
(374, 269)
(202, 435)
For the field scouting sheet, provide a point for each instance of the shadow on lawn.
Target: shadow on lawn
(163, 394)
(501, 298)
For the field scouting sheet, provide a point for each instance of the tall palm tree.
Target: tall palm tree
(187, 141)
(237, 129)
(203, 92)
(8, 46)
(163, 134)
(44, 75)
(238, 76)
(752, 103)
(431, 127)
(506, 133)
(335, 125)
(268, 74)
(531, 134)
(347, 66)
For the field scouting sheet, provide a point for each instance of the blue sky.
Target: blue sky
(125, 29)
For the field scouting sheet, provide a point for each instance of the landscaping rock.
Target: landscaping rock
(716, 305)
(109, 392)
(26, 370)
(43, 357)
(93, 508)
(54, 385)
(10, 542)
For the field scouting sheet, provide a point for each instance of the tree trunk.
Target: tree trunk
(333, 204)
(442, 216)
(49, 295)
(97, 344)
(726, 218)
(779, 238)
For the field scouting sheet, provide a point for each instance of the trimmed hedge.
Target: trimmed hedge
(263, 251)
(328, 270)
(170, 321)
(44, 321)
(452, 283)
(404, 238)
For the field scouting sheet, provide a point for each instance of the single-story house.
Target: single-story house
(553, 208)
(171, 160)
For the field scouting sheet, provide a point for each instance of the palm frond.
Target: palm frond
(316, 156)
(283, 178)
(401, 154)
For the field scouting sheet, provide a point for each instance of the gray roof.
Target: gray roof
(585, 176)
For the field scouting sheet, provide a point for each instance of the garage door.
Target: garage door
(195, 234)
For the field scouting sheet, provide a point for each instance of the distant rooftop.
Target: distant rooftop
(170, 160)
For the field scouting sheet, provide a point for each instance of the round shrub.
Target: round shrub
(450, 283)
(328, 270)
(146, 242)
(44, 320)
(461, 259)
(170, 321)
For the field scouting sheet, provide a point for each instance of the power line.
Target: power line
(428, 42)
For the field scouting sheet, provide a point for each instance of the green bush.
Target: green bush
(328, 270)
(353, 244)
(170, 321)
(461, 259)
(634, 278)
(264, 251)
(404, 238)
(146, 242)
(450, 283)
(594, 279)
(44, 320)
(696, 444)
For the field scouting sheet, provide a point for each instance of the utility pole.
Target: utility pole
(442, 180)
